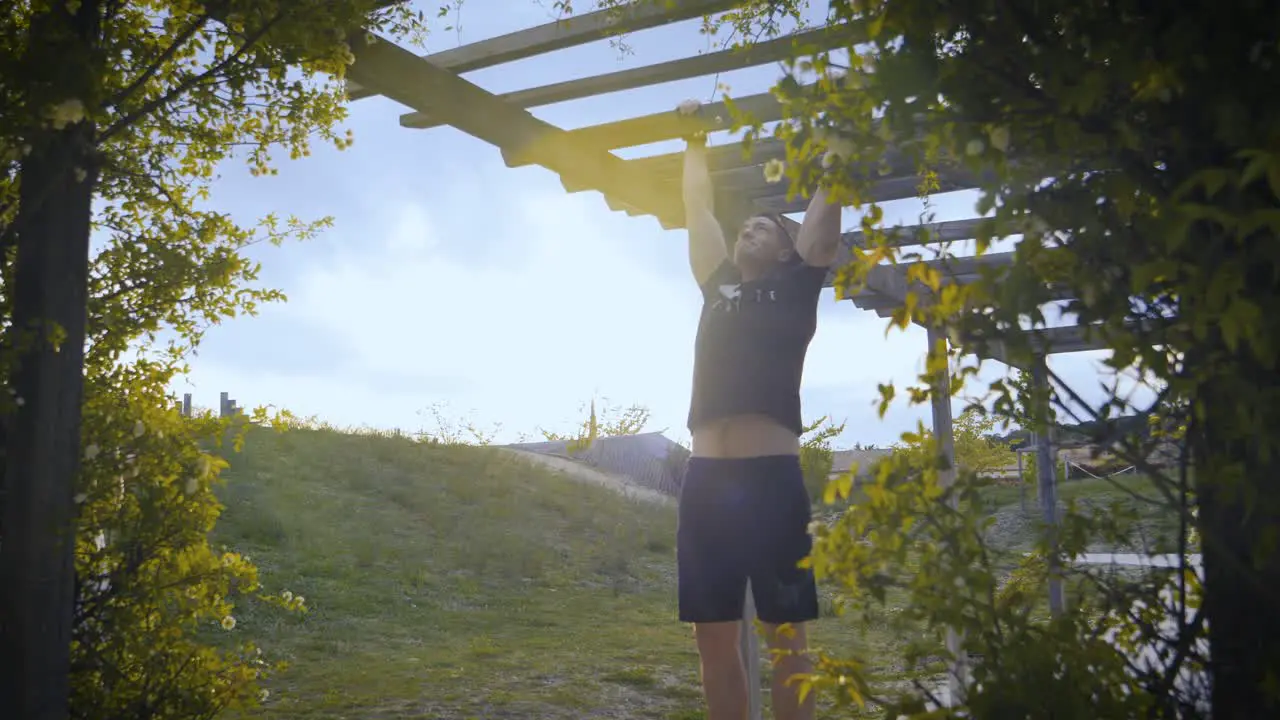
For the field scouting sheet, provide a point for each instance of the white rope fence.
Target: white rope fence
(1130, 470)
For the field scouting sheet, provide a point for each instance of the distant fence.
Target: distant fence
(226, 406)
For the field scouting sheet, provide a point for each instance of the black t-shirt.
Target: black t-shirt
(751, 344)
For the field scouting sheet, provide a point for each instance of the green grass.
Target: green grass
(456, 582)
(1156, 530)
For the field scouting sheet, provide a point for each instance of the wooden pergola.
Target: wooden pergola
(435, 94)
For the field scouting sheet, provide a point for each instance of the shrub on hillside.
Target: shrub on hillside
(976, 448)
(816, 455)
(155, 632)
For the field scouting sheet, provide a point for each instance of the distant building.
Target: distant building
(647, 460)
(842, 460)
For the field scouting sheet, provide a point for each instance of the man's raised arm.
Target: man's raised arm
(819, 238)
(706, 240)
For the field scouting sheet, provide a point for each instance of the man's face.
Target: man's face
(761, 242)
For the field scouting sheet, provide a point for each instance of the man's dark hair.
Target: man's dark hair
(782, 225)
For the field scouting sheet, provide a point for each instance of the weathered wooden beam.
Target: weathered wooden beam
(947, 231)
(885, 190)
(402, 76)
(749, 647)
(954, 270)
(1047, 479)
(774, 50)
(884, 306)
(886, 286)
(724, 156)
(669, 125)
(901, 182)
(1049, 341)
(944, 432)
(737, 171)
(561, 34)
(762, 198)
(732, 165)
(751, 179)
(893, 277)
(959, 268)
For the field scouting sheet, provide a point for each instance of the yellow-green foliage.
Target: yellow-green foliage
(1130, 151)
(975, 451)
(610, 421)
(155, 632)
(123, 114)
(816, 454)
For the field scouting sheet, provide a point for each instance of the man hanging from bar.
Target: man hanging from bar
(744, 509)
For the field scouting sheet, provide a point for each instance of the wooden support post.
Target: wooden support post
(1048, 484)
(1022, 485)
(944, 435)
(751, 656)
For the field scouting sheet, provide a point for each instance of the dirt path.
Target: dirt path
(591, 475)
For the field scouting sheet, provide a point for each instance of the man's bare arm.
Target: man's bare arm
(706, 240)
(819, 237)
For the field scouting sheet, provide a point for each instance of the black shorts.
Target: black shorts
(739, 519)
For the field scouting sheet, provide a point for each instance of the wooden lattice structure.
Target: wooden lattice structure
(434, 94)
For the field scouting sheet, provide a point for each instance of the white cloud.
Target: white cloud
(561, 306)
(534, 339)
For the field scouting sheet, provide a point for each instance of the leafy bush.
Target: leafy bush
(816, 455)
(155, 633)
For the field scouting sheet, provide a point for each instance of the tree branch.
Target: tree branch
(121, 97)
(190, 82)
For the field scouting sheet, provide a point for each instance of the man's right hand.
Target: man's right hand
(690, 108)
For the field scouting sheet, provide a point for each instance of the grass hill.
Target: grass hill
(456, 582)
(459, 582)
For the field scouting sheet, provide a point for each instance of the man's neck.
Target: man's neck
(750, 271)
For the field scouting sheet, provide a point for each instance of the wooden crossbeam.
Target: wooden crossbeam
(735, 160)
(1051, 341)
(749, 185)
(891, 279)
(948, 231)
(390, 70)
(886, 190)
(735, 155)
(953, 269)
(774, 50)
(724, 156)
(561, 34)
(670, 125)
(739, 172)
(890, 188)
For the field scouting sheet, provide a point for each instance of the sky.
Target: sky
(453, 287)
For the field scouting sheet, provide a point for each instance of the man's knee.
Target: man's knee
(788, 645)
(718, 642)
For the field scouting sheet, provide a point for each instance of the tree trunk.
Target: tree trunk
(37, 571)
(46, 339)
(1237, 482)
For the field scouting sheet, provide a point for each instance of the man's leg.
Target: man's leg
(789, 649)
(724, 679)
(713, 582)
(786, 595)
